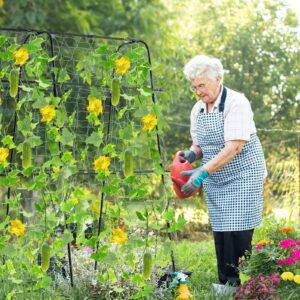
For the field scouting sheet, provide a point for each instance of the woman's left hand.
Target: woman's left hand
(197, 176)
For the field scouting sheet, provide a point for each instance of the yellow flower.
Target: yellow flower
(21, 56)
(48, 113)
(297, 279)
(16, 227)
(119, 236)
(262, 242)
(74, 201)
(1, 3)
(55, 169)
(149, 121)
(4, 152)
(95, 106)
(122, 64)
(287, 276)
(102, 163)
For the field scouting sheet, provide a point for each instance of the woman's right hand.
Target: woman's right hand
(188, 155)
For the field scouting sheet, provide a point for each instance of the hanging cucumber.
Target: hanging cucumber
(26, 155)
(45, 257)
(115, 96)
(14, 82)
(147, 264)
(128, 163)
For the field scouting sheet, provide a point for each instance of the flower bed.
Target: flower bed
(274, 267)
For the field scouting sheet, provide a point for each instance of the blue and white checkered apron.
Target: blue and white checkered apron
(234, 194)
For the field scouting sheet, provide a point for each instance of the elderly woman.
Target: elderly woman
(233, 167)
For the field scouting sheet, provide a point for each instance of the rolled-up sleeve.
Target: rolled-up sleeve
(238, 122)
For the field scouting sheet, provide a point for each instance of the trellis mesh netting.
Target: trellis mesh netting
(66, 71)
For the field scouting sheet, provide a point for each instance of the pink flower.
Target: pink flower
(88, 249)
(288, 243)
(298, 242)
(286, 261)
(296, 254)
(275, 279)
(258, 247)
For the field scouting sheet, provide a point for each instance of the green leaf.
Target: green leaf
(34, 45)
(20, 103)
(35, 141)
(4, 223)
(66, 206)
(67, 137)
(95, 139)
(112, 188)
(137, 278)
(52, 58)
(145, 91)
(39, 182)
(3, 71)
(92, 118)
(145, 293)
(53, 134)
(26, 88)
(68, 158)
(86, 75)
(66, 95)
(140, 216)
(63, 75)
(3, 40)
(11, 179)
(169, 214)
(110, 149)
(71, 118)
(43, 83)
(180, 222)
(43, 283)
(102, 49)
(112, 275)
(117, 289)
(8, 140)
(28, 171)
(25, 125)
(100, 254)
(15, 280)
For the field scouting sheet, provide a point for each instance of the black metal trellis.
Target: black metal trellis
(55, 88)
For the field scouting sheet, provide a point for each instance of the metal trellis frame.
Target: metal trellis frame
(123, 43)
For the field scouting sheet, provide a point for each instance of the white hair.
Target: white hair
(203, 66)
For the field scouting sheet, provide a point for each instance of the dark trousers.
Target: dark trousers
(230, 246)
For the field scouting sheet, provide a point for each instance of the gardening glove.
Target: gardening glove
(196, 178)
(188, 155)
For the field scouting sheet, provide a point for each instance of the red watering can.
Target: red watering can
(178, 165)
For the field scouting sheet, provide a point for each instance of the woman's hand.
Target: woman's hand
(196, 178)
(188, 155)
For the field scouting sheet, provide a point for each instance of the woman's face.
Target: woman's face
(207, 89)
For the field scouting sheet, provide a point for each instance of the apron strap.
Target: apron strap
(223, 98)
